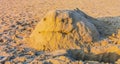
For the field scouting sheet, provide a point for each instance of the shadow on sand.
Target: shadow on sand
(78, 54)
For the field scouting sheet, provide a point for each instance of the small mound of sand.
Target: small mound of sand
(63, 29)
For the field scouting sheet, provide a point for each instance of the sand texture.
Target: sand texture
(75, 32)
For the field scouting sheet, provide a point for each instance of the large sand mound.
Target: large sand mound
(63, 29)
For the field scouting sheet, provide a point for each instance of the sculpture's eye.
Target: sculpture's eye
(63, 20)
(44, 19)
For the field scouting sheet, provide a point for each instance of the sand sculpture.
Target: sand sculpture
(63, 29)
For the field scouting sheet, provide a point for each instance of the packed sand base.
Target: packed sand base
(18, 19)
